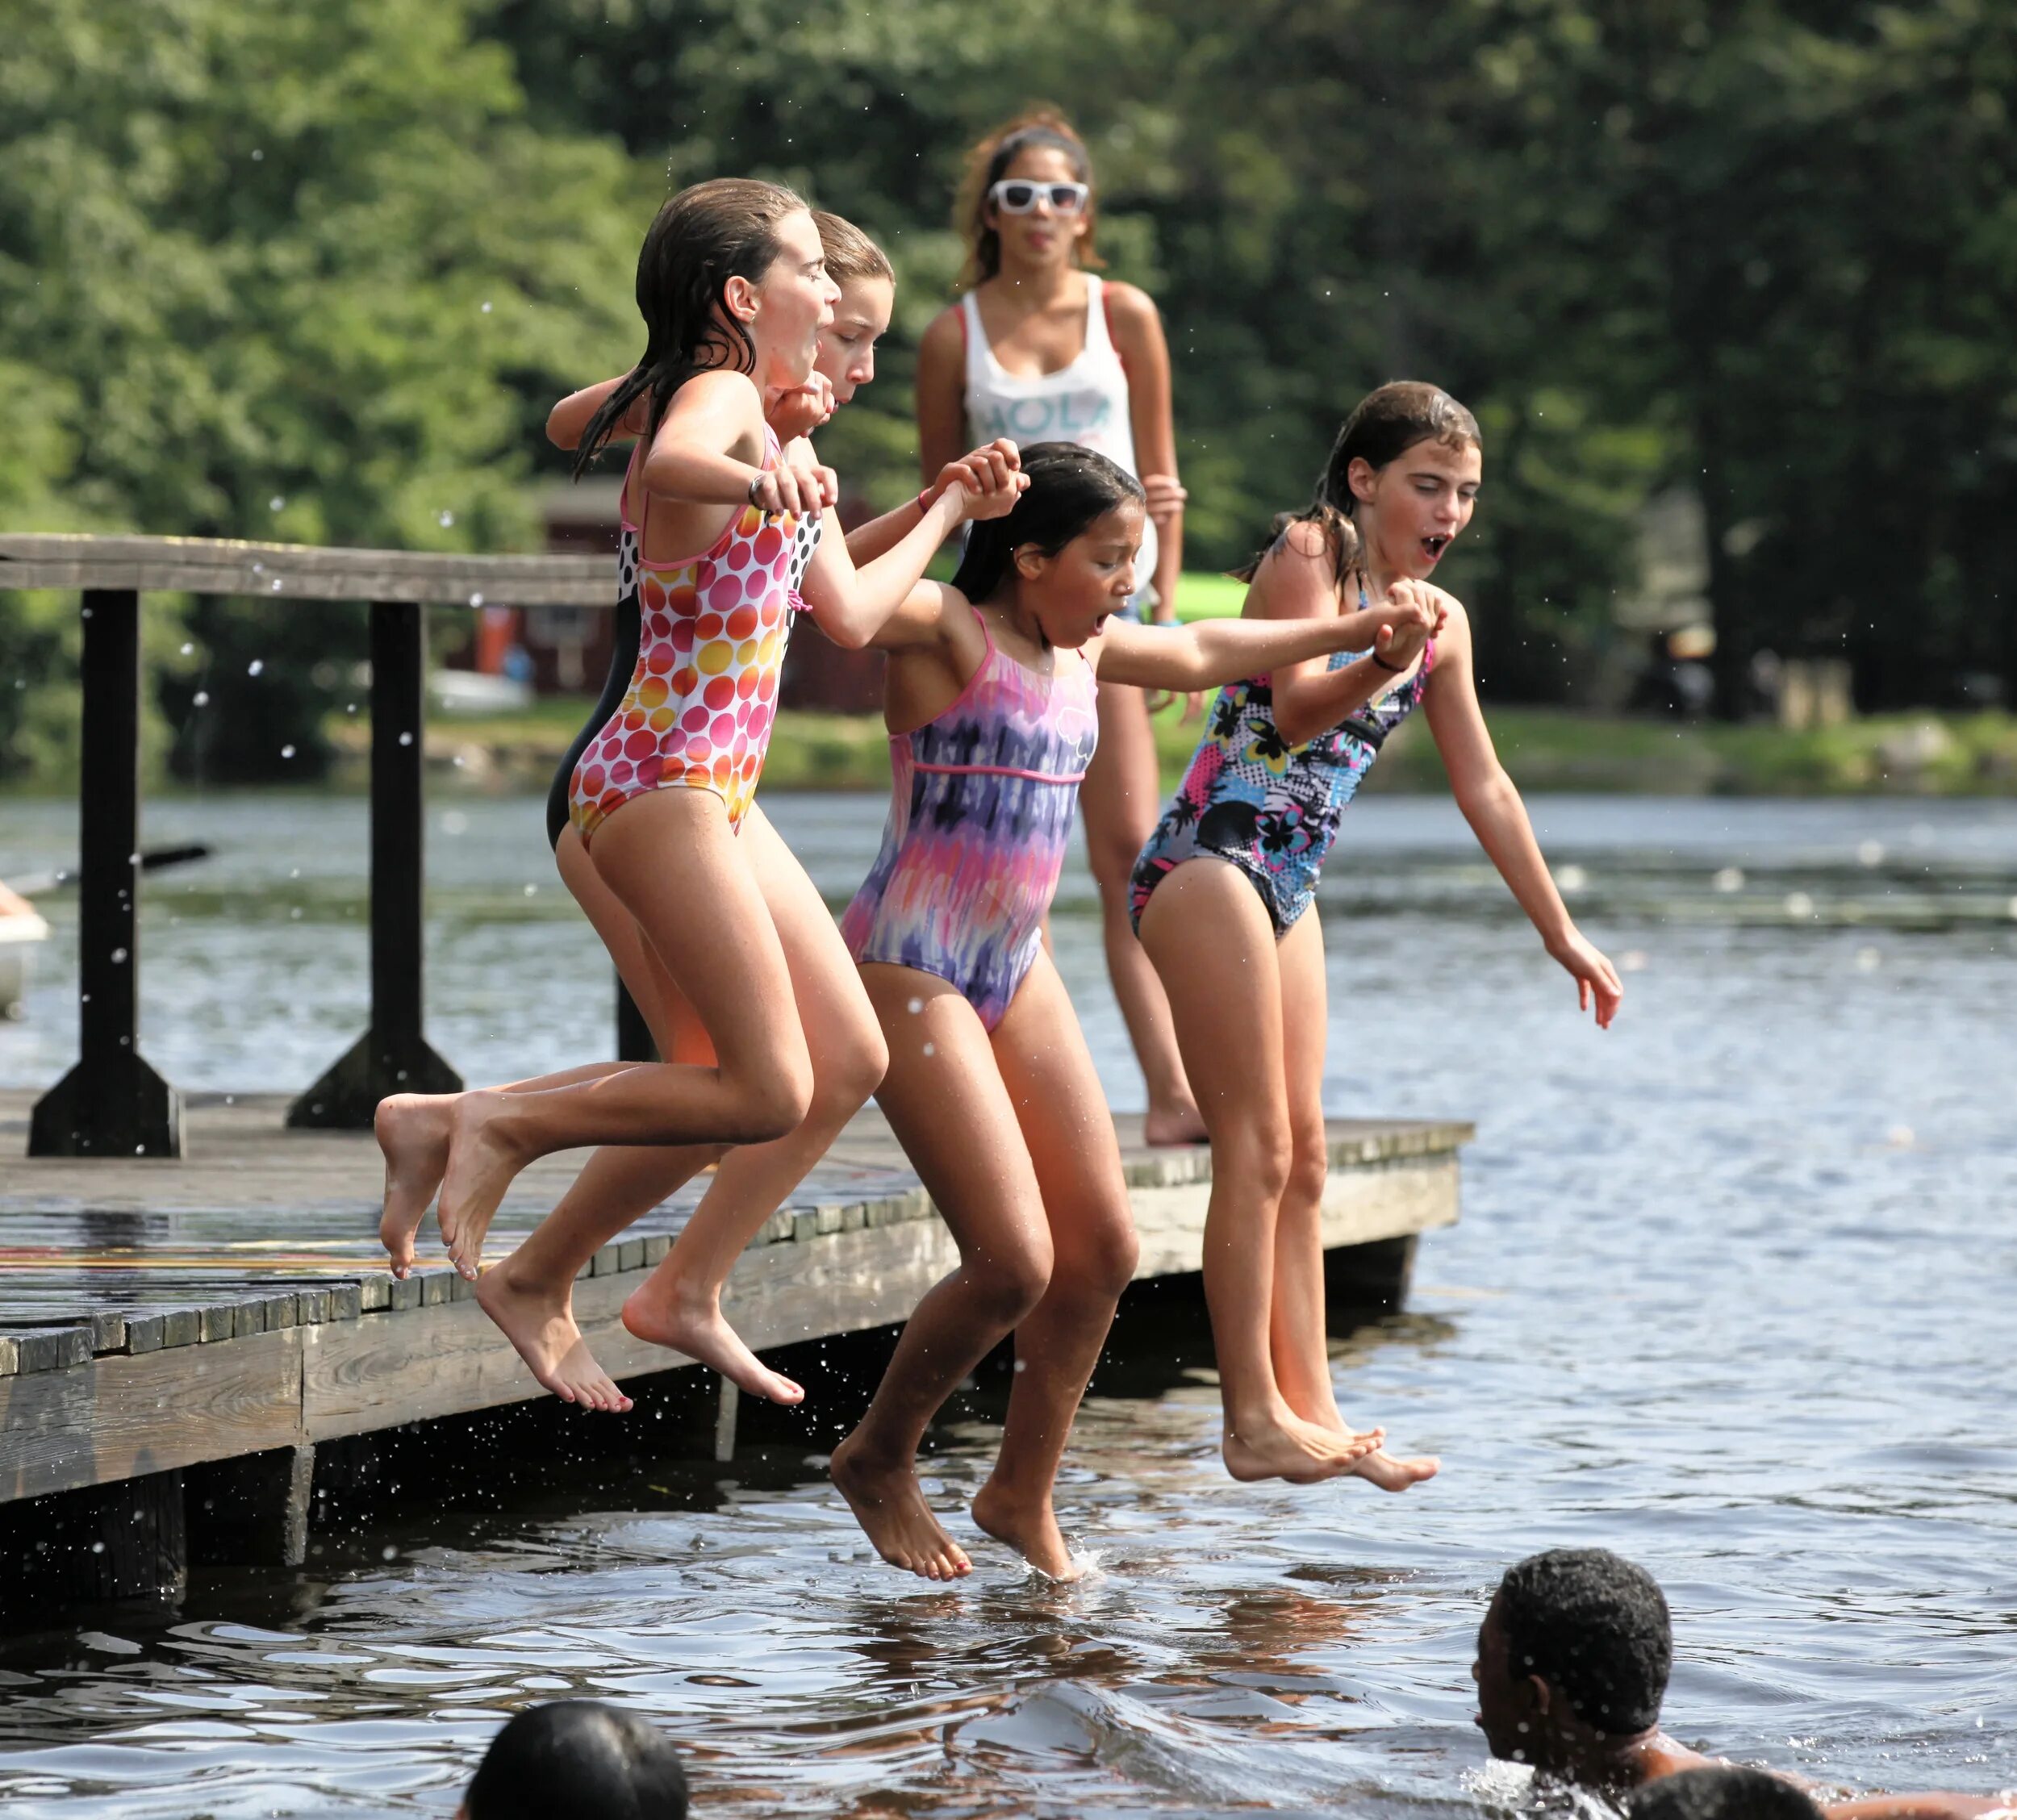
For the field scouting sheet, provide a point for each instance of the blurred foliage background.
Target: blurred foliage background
(316, 274)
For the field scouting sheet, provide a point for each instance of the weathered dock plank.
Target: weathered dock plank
(159, 1315)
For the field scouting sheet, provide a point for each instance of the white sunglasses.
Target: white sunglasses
(1017, 195)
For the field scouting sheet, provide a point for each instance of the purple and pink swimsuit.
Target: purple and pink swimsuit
(981, 805)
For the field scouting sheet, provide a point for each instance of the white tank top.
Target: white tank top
(1085, 403)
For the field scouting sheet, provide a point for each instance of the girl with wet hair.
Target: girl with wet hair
(992, 700)
(1223, 889)
(720, 937)
(1040, 347)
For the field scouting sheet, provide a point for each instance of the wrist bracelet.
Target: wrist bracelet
(756, 480)
(923, 499)
(1392, 669)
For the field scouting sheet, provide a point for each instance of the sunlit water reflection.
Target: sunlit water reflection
(1731, 1294)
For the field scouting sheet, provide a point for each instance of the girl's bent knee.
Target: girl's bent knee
(843, 1081)
(1307, 1173)
(778, 1101)
(1009, 1288)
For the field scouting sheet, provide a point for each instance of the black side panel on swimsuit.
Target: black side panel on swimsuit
(623, 665)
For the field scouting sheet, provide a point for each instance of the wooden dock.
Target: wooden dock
(158, 1315)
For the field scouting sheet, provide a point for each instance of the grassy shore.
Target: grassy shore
(1543, 749)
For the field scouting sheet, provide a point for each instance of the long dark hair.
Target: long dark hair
(706, 235)
(1041, 129)
(1069, 488)
(1383, 426)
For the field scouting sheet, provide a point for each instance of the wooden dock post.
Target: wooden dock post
(111, 1104)
(393, 1055)
(252, 1511)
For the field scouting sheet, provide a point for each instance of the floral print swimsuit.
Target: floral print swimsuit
(1271, 809)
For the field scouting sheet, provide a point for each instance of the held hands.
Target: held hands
(804, 409)
(1594, 976)
(1411, 615)
(990, 480)
(797, 484)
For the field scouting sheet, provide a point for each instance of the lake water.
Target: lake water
(1732, 1295)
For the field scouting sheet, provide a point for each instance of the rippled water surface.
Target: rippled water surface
(1732, 1294)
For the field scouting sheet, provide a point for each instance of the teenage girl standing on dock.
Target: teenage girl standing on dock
(732, 286)
(1040, 348)
(991, 698)
(1223, 888)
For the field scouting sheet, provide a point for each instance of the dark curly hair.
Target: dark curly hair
(1721, 1794)
(579, 1756)
(1596, 1626)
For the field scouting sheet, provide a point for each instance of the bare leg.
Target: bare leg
(1120, 800)
(530, 1294)
(671, 858)
(1050, 1076)
(1210, 936)
(947, 1102)
(1298, 1335)
(679, 1304)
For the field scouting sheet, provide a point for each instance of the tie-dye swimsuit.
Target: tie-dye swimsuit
(1268, 808)
(702, 686)
(981, 806)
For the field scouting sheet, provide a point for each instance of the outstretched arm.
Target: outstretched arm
(1498, 818)
(1183, 658)
(850, 605)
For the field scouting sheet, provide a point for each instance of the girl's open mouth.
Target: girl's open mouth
(1434, 547)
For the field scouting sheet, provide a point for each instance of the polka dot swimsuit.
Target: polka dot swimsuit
(698, 712)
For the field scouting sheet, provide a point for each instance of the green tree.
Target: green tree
(297, 274)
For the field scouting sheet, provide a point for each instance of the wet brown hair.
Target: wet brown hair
(851, 256)
(1383, 426)
(702, 237)
(1038, 129)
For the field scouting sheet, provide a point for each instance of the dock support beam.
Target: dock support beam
(725, 1420)
(392, 1056)
(111, 1104)
(251, 1512)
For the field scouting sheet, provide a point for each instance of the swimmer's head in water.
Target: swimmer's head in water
(1721, 1794)
(578, 1756)
(1068, 548)
(1577, 1641)
(868, 298)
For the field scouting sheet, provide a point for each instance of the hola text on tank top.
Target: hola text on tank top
(1085, 403)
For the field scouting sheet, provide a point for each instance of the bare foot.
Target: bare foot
(1181, 1123)
(1294, 1450)
(540, 1325)
(1378, 1468)
(479, 1171)
(660, 1312)
(889, 1504)
(1033, 1532)
(413, 1131)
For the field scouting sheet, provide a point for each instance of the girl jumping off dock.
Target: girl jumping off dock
(1223, 888)
(722, 939)
(991, 699)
